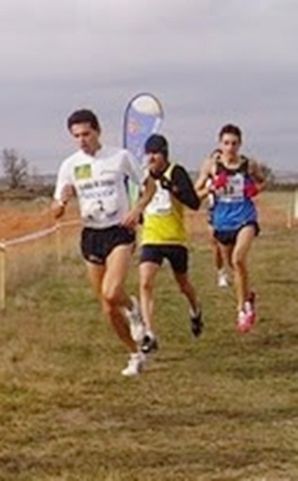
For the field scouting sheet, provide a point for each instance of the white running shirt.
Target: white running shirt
(99, 183)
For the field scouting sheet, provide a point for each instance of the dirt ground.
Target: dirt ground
(18, 219)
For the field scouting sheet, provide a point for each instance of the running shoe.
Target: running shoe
(242, 324)
(149, 344)
(250, 308)
(247, 316)
(135, 364)
(196, 324)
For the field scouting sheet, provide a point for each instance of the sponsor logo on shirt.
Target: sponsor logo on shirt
(83, 172)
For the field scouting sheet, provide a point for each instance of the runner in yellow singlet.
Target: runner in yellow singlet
(164, 235)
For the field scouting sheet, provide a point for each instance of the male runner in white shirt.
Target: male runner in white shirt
(96, 175)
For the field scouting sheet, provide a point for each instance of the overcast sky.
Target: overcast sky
(208, 61)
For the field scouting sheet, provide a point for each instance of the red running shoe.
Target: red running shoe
(247, 316)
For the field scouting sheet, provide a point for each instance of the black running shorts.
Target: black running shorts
(177, 255)
(97, 244)
(229, 237)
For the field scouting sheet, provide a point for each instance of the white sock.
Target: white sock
(193, 313)
(127, 312)
(247, 306)
(150, 333)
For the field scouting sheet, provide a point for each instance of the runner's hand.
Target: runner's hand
(220, 181)
(250, 189)
(67, 193)
(132, 218)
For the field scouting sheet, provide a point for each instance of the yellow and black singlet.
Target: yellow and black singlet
(164, 216)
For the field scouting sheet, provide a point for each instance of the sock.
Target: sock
(193, 313)
(149, 333)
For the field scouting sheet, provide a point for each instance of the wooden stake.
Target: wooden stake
(58, 244)
(2, 276)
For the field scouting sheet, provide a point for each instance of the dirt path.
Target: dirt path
(28, 217)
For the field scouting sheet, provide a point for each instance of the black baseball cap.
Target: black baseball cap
(157, 144)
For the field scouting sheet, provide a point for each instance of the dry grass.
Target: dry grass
(223, 408)
(31, 260)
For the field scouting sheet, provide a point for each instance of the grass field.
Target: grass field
(222, 408)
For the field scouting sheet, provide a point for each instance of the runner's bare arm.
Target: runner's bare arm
(206, 171)
(133, 216)
(257, 173)
(58, 206)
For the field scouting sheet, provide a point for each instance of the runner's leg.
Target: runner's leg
(188, 290)
(195, 309)
(147, 273)
(239, 262)
(178, 258)
(218, 260)
(222, 278)
(113, 294)
(95, 274)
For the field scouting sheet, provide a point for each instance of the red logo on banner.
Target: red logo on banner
(133, 127)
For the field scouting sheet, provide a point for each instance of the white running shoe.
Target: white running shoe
(222, 280)
(135, 364)
(136, 325)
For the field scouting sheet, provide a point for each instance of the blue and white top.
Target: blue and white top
(232, 209)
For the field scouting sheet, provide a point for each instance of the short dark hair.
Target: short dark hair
(230, 129)
(157, 144)
(81, 117)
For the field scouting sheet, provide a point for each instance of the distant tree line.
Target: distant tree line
(19, 181)
(16, 172)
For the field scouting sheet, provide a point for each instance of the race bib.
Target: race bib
(161, 203)
(234, 190)
(100, 199)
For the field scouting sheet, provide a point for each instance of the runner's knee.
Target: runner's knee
(111, 295)
(146, 284)
(238, 261)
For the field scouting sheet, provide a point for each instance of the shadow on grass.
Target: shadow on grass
(285, 282)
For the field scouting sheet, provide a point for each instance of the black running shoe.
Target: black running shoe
(196, 324)
(149, 344)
